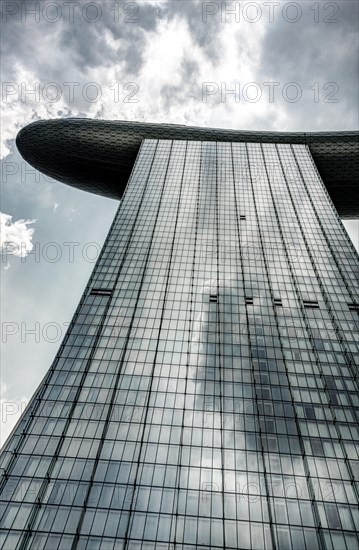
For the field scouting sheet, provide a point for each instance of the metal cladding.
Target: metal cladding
(98, 156)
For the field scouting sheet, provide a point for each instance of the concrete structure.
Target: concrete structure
(98, 155)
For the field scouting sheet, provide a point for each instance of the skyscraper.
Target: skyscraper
(205, 393)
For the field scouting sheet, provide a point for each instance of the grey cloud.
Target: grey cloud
(188, 87)
(307, 52)
(205, 33)
(82, 45)
(79, 45)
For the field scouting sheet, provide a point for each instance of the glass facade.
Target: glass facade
(204, 395)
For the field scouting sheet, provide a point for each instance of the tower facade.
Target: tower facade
(205, 393)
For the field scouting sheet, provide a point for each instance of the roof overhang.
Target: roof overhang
(98, 156)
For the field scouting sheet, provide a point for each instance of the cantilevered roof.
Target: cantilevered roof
(98, 156)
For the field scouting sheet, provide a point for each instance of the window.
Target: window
(269, 426)
(100, 292)
(213, 298)
(277, 302)
(332, 516)
(272, 444)
(317, 447)
(309, 412)
(353, 307)
(330, 381)
(249, 301)
(310, 304)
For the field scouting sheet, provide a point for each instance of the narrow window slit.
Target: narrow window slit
(100, 292)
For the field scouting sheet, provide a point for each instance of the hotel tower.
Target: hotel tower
(205, 394)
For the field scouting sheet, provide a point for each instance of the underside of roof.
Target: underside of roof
(98, 156)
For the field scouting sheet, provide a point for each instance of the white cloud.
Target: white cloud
(15, 237)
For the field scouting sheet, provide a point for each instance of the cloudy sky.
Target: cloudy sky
(291, 67)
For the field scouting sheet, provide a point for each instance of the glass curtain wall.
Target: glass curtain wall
(205, 393)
